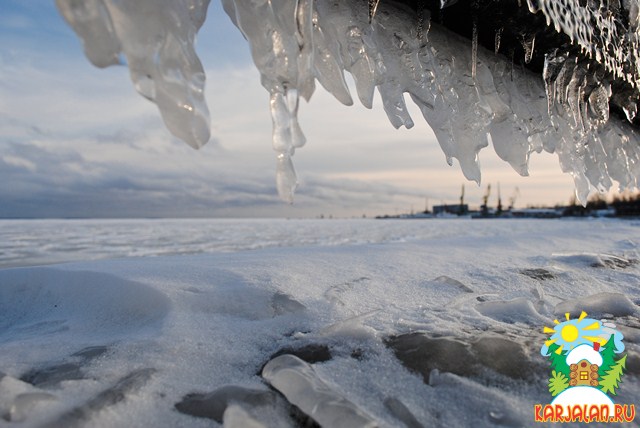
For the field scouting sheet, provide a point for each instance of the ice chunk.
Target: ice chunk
(511, 311)
(302, 386)
(424, 355)
(503, 355)
(72, 369)
(24, 403)
(595, 260)
(481, 401)
(400, 411)
(453, 283)
(284, 304)
(600, 304)
(119, 392)
(17, 398)
(538, 273)
(215, 405)
(236, 417)
(352, 327)
(311, 353)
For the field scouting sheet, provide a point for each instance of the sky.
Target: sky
(78, 141)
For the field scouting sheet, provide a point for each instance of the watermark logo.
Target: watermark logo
(587, 365)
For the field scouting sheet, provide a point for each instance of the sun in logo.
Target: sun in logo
(568, 334)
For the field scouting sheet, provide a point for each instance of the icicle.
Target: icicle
(562, 81)
(286, 178)
(157, 40)
(373, 8)
(327, 64)
(361, 65)
(304, 33)
(498, 37)
(533, 6)
(421, 21)
(599, 104)
(630, 111)
(92, 22)
(596, 29)
(574, 96)
(447, 3)
(474, 47)
(552, 65)
(528, 44)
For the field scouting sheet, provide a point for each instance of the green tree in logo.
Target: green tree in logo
(611, 379)
(558, 360)
(611, 369)
(608, 353)
(558, 382)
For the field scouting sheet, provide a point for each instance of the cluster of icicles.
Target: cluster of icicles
(469, 96)
(595, 26)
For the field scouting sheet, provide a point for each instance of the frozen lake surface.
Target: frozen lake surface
(381, 323)
(39, 242)
(34, 242)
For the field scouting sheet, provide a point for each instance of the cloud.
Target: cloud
(134, 168)
(18, 162)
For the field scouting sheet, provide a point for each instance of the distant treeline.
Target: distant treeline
(626, 204)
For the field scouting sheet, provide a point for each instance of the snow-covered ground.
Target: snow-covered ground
(401, 323)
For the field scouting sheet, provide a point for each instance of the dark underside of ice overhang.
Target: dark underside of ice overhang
(508, 26)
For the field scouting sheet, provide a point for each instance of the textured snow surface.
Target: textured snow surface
(440, 328)
(469, 96)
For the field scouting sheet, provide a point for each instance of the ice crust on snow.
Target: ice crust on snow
(469, 96)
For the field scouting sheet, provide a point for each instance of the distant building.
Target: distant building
(455, 209)
(536, 213)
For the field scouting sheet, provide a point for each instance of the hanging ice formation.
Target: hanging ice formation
(472, 74)
(156, 40)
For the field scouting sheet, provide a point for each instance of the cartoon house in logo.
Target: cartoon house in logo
(584, 361)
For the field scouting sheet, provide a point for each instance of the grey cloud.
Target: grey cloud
(64, 183)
